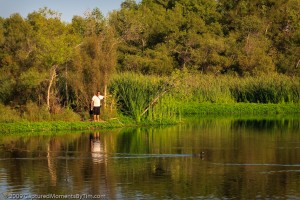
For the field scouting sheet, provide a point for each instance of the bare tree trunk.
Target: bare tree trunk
(52, 77)
(248, 44)
(105, 88)
(105, 94)
(67, 93)
(298, 64)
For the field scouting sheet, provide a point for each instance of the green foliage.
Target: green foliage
(7, 85)
(30, 79)
(155, 61)
(44, 61)
(199, 35)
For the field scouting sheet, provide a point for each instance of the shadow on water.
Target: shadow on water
(212, 158)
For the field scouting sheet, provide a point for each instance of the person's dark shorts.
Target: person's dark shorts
(96, 110)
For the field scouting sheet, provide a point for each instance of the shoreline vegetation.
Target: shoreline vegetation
(203, 110)
(140, 100)
(155, 62)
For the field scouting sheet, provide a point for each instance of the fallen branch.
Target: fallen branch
(153, 102)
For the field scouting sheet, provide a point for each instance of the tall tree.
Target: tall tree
(94, 60)
(54, 48)
(15, 58)
(285, 33)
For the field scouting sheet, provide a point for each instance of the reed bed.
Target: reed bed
(230, 89)
(187, 92)
(267, 89)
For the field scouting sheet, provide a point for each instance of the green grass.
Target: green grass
(16, 127)
(55, 126)
(240, 108)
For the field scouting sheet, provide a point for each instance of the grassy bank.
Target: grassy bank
(242, 109)
(22, 126)
(54, 126)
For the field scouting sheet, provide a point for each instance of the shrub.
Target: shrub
(8, 114)
(66, 115)
(34, 113)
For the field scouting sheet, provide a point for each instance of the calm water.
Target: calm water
(202, 159)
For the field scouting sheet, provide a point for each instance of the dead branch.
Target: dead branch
(153, 102)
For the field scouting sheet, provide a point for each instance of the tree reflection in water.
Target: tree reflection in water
(209, 158)
(52, 151)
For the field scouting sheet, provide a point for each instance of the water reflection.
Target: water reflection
(267, 124)
(52, 152)
(97, 150)
(202, 159)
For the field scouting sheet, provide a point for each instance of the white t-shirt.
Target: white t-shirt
(97, 99)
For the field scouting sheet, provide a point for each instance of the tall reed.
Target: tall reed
(141, 97)
(193, 87)
(267, 89)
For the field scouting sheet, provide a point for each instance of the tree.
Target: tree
(92, 65)
(285, 29)
(94, 22)
(54, 48)
(15, 58)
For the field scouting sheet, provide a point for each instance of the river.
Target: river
(211, 158)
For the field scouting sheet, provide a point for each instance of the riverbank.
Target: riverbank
(53, 126)
(239, 110)
(25, 126)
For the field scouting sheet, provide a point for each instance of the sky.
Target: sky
(68, 8)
